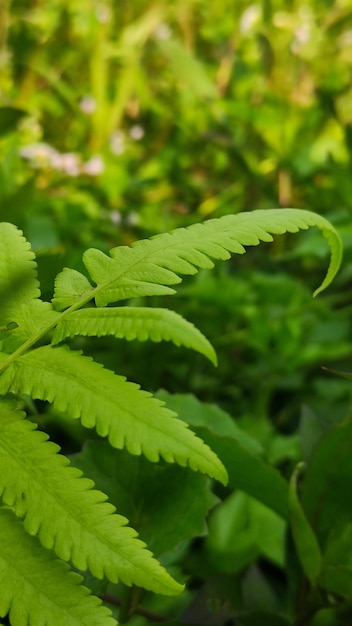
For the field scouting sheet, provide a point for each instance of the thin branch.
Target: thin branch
(150, 615)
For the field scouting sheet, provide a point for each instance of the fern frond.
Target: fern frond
(161, 260)
(59, 505)
(129, 323)
(18, 276)
(37, 588)
(130, 417)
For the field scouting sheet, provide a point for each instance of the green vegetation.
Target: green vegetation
(120, 122)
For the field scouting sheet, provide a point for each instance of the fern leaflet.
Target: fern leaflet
(134, 323)
(37, 588)
(71, 288)
(59, 505)
(130, 417)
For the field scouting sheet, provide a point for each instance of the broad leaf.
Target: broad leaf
(118, 409)
(248, 472)
(151, 496)
(37, 588)
(204, 415)
(327, 486)
(336, 574)
(266, 618)
(237, 450)
(242, 529)
(134, 323)
(332, 617)
(69, 516)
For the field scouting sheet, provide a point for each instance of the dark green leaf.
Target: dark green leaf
(242, 529)
(327, 488)
(326, 617)
(165, 503)
(262, 618)
(246, 470)
(336, 575)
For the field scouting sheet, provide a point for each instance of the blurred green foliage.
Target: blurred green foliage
(122, 119)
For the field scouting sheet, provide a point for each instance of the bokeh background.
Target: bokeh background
(119, 120)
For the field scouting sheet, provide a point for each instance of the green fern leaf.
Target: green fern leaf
(130, 417)
(161, 259)
(69, 516)
(18, 276)
(70, 287)
(37, 588)
(134, 323)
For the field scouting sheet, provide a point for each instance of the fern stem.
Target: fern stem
(140, 610)
(45, 330)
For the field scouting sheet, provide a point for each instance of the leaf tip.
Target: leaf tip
(212, 356)
(223, 476)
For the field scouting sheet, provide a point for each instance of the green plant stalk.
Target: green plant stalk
(308, 549)
(129, 598)
(46, 329)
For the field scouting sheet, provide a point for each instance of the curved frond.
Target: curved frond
(130, 323)
(59, 505)
(163, 258)
(37, 588)
(118, 409)
(18, 276)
